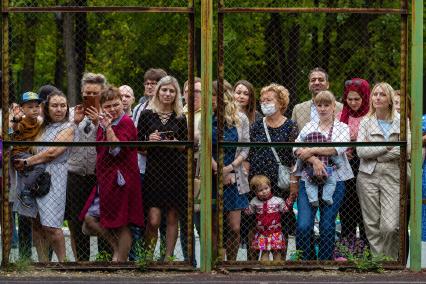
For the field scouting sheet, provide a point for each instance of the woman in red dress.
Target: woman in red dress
(116, 202)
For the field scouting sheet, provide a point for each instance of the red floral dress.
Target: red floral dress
(269, 235)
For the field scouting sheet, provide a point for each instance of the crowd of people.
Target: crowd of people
(128, 196)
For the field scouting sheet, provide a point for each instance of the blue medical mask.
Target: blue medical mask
(268, 109)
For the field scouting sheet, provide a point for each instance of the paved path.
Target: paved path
(243, 278)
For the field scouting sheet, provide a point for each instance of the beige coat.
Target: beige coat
(369, 131)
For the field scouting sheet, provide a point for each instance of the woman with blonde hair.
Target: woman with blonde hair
(235, 180)
(165, 183)
(379, 172)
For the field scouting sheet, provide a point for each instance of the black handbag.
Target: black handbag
(41, 186)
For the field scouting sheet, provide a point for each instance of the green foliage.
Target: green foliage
(296, 255)
(124, 45)
(144, 256)
(103, 256)
(366, 261)
(21, 265)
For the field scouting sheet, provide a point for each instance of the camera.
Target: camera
(167, 135)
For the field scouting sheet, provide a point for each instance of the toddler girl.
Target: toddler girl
(268, 208)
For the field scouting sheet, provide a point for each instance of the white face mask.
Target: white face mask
(268, 109)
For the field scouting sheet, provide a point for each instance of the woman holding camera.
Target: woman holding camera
(165, 184)
(116, 202)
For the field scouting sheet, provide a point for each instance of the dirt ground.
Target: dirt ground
(316, 276)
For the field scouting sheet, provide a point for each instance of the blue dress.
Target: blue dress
(233, 200)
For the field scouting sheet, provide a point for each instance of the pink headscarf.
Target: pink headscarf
(362, 87)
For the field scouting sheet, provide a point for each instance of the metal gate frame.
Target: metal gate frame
(206, 74)
(415, 243)
(6, 214)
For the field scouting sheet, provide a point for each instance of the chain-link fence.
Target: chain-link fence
(125, 188)
(116, 202)
(357, 210)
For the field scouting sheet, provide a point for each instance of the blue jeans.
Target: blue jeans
(327, 224)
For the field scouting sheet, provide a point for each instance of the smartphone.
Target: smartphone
(93, 101)
(167, 135)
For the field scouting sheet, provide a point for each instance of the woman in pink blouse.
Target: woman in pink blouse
(356, 102)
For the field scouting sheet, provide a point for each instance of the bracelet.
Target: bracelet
(294, 181)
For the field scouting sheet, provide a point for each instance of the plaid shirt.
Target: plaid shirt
(318, 137)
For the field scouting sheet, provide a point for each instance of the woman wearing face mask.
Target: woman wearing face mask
(274, 101)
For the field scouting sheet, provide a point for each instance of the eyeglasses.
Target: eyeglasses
(355, 82)
(150, 84)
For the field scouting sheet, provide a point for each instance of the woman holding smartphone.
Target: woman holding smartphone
(165, 184)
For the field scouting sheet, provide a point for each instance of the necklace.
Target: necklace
(164, 117)
(276, 124)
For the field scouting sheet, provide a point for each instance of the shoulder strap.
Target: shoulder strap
(269, 140)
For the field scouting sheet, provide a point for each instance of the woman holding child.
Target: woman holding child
(116, 201)
(51, 207)
(335, 131)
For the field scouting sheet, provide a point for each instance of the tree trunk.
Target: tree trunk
(293, 60)
(328, 29)
(59, 61)
(315, 46)
(275, 51)
(80, 44)
(70, 57)
(29, 49)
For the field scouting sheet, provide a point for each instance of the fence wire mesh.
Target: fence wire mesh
(101, 205)
(355, 211)
(269, 59)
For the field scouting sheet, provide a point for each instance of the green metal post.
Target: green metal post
(206, 134)
(416, 135)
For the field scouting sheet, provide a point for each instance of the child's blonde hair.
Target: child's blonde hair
(325, 97)
(259, 180)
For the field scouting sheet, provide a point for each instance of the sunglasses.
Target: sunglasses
(355, 82)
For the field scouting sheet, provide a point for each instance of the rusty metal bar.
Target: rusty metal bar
(6, 233)
(404, 193)
(105, 9)
(191, 170)
(206, 247)
(416, 135)
(313, 10)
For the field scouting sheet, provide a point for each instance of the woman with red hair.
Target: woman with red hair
(356, 104)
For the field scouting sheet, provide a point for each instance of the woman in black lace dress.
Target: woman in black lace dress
(165, 184)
